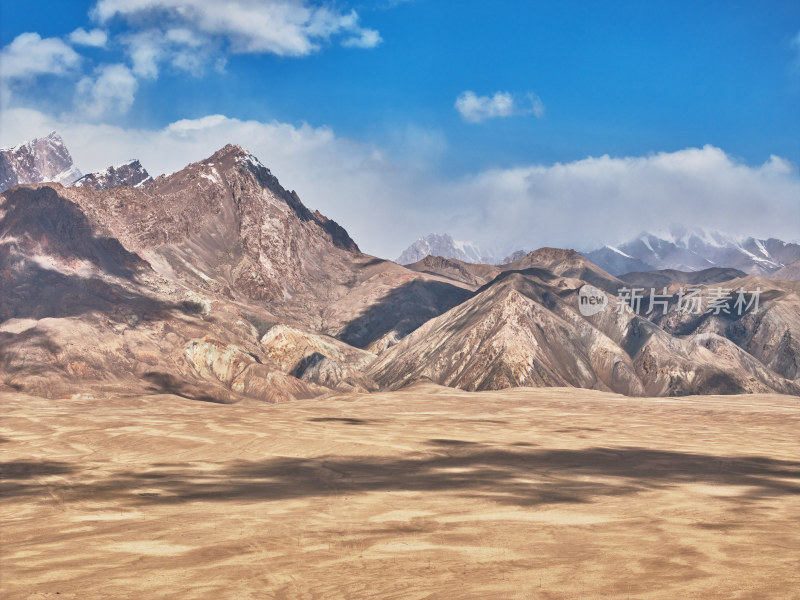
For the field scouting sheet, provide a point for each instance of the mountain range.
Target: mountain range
(680, 248)
(443, 245)
(694, 249)
(219, 284)
(48, 159)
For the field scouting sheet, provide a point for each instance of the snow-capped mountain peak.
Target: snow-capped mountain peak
(36, 161)
(693, 249)
(687, 237)
(131, 173)
(444, 245)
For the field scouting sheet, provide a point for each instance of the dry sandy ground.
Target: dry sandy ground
(424, 493)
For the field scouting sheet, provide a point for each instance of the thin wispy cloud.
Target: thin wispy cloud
(475, 109)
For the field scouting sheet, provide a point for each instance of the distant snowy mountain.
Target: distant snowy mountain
(131, 173)
(445, 246)
(47, 159)
(37, 161)
(695, 249)
(613, 260)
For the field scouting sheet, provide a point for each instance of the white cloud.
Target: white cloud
(186, 35)
(283, 27)
(146, 50)
(474, 108)
(179, 47)
(369, 38)
(795, 43)
(30, 55)
(386, 200)
(593, 201)
(96, 38)
(111, 91)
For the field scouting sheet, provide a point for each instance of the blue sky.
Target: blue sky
(444, 97)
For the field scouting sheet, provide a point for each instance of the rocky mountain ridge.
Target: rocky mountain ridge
(524, 328)
(219, 284)
(175, 285)
(47, 159)
(131, 173)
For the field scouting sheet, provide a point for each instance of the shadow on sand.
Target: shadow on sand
(522, 477)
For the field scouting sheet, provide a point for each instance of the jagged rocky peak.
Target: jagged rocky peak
(131, 173)
(229, 167)
(37, 161)
(231, 157)
(234, 156)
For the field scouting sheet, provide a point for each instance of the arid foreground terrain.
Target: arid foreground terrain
(422, 493)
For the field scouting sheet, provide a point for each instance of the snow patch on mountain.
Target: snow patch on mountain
(618, 251)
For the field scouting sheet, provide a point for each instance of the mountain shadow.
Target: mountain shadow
(403, 310)
(43, 293)
(41, 217)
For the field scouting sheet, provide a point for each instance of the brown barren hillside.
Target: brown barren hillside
(171, 285)
(217, 283)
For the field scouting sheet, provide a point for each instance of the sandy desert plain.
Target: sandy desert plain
(427, 492)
